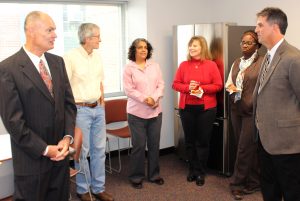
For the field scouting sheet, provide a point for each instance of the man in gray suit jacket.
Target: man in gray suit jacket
(38, 110)
(277, 109)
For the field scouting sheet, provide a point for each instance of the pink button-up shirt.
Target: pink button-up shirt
(140, 84)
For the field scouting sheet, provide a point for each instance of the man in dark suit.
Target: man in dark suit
(277, 109)
(38, 110)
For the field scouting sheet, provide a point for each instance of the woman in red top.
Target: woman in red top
(198, 80)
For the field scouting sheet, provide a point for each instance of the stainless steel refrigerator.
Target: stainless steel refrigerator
(223, 40)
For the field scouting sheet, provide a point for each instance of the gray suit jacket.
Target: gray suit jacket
(31, 116)
(277, 105)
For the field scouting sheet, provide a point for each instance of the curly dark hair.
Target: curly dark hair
(132, 49)
(253, 35)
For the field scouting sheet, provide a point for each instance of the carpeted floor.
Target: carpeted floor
(176, 188)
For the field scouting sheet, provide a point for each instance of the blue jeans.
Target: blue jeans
(92, 123)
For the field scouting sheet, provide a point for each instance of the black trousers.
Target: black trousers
(280, 176)
(197, 125)
(49, 186)
(144, 132)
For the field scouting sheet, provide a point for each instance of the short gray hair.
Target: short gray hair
(85, 30)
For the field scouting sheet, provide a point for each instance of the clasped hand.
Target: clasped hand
(60, 151)
(150, 102)
(193, 85)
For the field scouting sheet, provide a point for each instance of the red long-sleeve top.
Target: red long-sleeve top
(206, 73)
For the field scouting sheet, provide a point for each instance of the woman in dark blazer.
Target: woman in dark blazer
(240, 85)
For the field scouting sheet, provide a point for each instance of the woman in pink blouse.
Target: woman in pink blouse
(143, 85)
(198, 80)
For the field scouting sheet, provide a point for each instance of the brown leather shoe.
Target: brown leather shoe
(85, 197)
(103, 196)
(237, 194)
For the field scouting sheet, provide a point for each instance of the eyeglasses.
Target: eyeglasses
(248, 43)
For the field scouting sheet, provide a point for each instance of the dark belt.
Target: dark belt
(91, 105)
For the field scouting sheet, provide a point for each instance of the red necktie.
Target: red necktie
(46, 77)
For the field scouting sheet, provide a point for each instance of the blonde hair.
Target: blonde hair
(205, 53)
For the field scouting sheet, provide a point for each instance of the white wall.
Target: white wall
(2, 129)
(245, 14)
(137, 20)
(162, 15)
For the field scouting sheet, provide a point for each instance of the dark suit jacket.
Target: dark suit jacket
(277, 105)
(32, 117)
